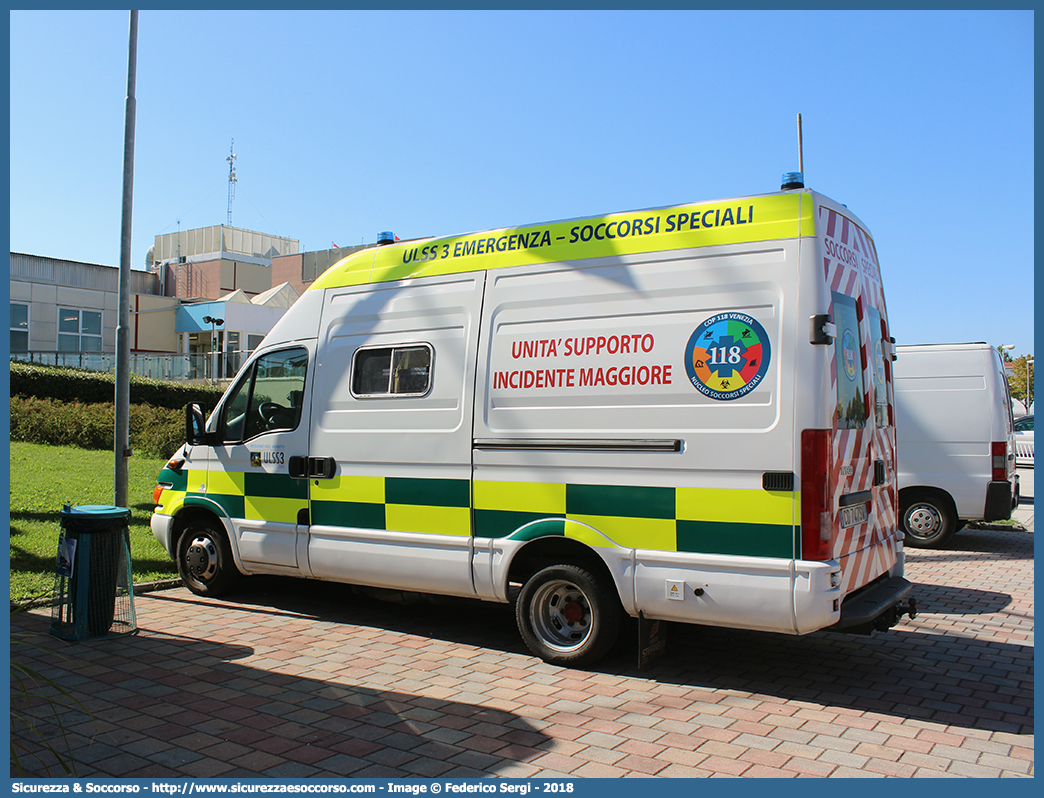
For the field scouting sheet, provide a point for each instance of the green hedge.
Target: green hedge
(98, 387)
(154, 431)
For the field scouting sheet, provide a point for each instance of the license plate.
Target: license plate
(853, 515)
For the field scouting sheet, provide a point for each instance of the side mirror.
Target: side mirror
(195, 424)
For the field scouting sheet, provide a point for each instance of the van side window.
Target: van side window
(268, 396)
(399, 370)
(851, 406)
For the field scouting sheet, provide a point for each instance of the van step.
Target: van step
(861, 610)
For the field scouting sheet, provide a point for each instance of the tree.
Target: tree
(1017, 378)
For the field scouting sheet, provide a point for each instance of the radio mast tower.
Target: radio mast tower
(231, 178)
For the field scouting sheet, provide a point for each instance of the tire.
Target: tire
(928, 520)
(205, 560)
(568, 616)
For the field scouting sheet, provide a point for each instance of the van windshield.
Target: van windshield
(268, 396)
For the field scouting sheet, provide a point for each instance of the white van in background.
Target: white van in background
(955, 440)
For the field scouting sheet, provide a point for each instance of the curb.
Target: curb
(162, 584)
(144, 587)
(1015, 527)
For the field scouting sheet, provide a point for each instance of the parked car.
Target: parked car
(1024, 441)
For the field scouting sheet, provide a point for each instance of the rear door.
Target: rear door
(864, 479)
(1004, 423)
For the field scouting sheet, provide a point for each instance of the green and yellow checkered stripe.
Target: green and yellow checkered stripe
(173, 497)
(755, 523)
(700, 520)
(258, 496)
(253, 496)
(432, 506)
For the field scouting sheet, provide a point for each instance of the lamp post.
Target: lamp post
(121, 433)
(214, 324)
(1029, 362)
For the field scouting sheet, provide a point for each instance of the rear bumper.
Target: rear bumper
(999, 501)
(877, 606)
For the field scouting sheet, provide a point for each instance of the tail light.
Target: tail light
(817, 538)
(1000, 461)
(157, 492)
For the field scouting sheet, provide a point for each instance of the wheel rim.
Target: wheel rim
(562, 615)
(923, 521)
(201, 558)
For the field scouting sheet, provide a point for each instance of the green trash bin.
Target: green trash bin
(93, 589)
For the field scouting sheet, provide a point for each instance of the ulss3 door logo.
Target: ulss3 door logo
(273, 457)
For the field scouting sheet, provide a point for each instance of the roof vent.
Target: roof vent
(385, 237)
(792, 180)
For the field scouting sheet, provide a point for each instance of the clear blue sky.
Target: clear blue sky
(435, 123)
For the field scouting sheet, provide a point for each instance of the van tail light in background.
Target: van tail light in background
(817, 538)
(1000, 461)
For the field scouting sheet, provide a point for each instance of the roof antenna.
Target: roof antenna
(801, 155)
(792, 180)
(231, 178)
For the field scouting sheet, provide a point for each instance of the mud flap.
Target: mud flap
(652, 641)
(999, 502)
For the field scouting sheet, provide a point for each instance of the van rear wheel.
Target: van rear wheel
(928, 521)
(205, 560)
(568, 615)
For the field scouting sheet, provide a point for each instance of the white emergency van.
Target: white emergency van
(956, 440)
(678, 414)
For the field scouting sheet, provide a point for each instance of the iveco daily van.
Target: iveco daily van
(681, 414)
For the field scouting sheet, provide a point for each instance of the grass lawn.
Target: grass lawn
(46, 478)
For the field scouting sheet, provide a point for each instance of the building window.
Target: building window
(19, 327)
(79, 330)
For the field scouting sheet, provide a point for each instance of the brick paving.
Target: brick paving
(298, 679)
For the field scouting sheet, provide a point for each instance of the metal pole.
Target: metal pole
(122, 444)
(801, 150)
(1028, 400)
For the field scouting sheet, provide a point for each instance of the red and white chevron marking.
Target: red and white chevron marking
(867, 550)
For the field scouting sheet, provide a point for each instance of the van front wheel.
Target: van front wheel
(205, 560)
(928, 521)
(567, 615)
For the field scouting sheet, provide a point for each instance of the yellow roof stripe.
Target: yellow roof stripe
(762, 218)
